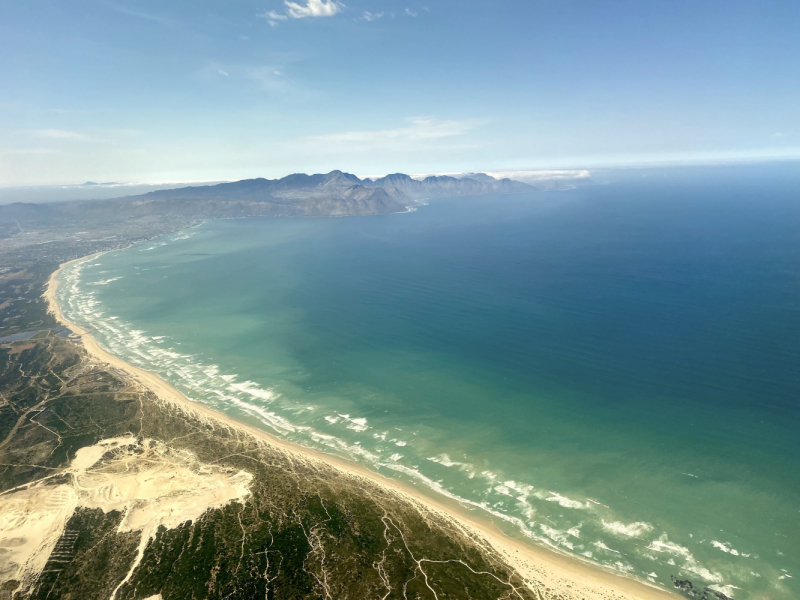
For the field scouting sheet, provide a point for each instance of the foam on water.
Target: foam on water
(627, 530)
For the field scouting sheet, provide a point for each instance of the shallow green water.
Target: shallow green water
(614, 371)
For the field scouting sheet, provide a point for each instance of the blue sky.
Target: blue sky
(141, 90)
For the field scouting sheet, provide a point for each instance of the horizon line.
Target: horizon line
(505, 171)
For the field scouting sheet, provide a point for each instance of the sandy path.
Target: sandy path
(565, 576)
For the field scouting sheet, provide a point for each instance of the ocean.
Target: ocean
(612, 371)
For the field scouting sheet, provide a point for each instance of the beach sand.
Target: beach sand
(564, 577)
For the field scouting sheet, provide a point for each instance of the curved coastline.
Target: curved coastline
(563, 574)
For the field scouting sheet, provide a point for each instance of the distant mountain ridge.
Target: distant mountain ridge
(329, 194)
(338, 184)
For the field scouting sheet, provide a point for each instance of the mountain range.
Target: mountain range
(337, 185)
(331, 194)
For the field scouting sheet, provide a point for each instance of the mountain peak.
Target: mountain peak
(482, 177)
(337, 175)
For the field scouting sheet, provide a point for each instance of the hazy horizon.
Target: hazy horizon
(91, 190)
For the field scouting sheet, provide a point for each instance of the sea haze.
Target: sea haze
(613, 371)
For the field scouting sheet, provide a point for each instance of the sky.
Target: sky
(202, 90)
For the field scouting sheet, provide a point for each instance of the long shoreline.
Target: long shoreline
(565, 575)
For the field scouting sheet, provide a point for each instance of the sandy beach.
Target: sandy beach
(564, 577)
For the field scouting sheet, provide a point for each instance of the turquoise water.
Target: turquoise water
(612, 371)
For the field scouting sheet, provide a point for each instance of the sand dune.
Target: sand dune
(151, 484)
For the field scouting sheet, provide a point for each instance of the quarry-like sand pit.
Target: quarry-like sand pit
(31, 522)
(148, 482)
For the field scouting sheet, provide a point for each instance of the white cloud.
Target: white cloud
(524, 176)
(59, 134)
(312, 8)
(415, 138)
(274, 78)
(368, 16)
(25, 151)
(410, 12)
(104, 134)
(419, 130)
(143, 15)
(542, 175)
(267, 76)
(272, 17)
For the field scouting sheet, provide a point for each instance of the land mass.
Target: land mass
(41, 233)
(332, 194)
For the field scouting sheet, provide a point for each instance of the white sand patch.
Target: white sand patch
(150, 483)
(31, 522)
(88, 456)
